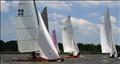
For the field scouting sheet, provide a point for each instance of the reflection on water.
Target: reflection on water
(85, 59)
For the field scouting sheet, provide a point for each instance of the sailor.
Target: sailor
(33, 55)
(111, 55)
(78, 53)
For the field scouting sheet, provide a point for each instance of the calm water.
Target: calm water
(85, 59)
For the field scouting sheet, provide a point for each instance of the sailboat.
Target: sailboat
(54, 38)
(32, 34)
(69, 44)
(107, 44)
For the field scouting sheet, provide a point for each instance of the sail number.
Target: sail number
(20, 12)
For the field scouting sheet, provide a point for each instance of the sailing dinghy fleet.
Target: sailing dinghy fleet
(33, 35)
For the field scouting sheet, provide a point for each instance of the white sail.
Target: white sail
(107, 43)
(26, 27)
(69, 44)
(47, 49)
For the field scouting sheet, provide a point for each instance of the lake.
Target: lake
(84, 59)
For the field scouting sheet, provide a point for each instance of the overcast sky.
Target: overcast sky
(85, 17)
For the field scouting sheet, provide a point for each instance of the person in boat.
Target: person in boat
(76, 55)
(111, 55)
(35, 55)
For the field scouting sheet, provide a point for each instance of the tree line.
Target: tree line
(89, 48)
(11, 46)
(8, 46)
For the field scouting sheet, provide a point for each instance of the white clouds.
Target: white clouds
(79, 24)
(4, 6)
(97, 3)
(55, 16)
(83, 26)
(116, 30)
(60, 5)
(55, 21)
(112, 19)
(88, 3)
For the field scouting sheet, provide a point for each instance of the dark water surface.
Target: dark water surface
(84, 59)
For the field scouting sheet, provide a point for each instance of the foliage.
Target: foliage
(2, 45)
(11, 46)
(8, 46)
(84, 48)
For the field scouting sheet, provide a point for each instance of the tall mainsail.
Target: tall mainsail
(45, 17)
(54, 39)
(69, 44)
(32, 34)
(26, 27)
(107, 43)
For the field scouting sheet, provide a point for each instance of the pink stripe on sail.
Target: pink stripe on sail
(54, 38)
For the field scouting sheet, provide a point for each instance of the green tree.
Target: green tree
(11, 46)
(2, 46)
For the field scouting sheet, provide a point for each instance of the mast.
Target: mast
(36, 11)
